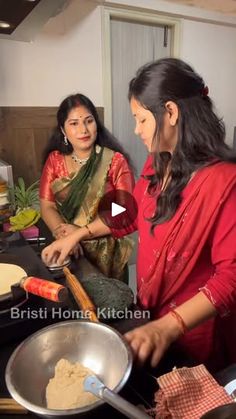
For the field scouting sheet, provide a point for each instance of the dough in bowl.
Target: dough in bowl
(65, 390)
(10, 275)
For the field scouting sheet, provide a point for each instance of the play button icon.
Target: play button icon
(118, 209)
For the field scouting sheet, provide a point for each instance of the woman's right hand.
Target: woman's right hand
(153, 339)
(58, 251)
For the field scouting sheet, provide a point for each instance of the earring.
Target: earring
(65, 141)
(98, 148)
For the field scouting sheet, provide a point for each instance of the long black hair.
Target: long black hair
(201, 134)
(104, 137)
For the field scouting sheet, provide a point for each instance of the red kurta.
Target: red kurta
(214, 271)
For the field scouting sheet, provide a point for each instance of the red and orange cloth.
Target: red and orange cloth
(188, 393)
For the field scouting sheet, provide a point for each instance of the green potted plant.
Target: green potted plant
(23, 198)
(25, 205)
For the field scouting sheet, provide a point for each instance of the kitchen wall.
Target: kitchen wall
(212, 52)
(66, 56)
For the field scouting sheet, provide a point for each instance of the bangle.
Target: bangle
(89, 231)
(180, 321)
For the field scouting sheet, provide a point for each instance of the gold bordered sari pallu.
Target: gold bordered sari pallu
(108, 254)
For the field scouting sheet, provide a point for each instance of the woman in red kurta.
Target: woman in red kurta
(186, 220)
(191, 252)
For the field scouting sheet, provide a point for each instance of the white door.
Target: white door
(133, 44)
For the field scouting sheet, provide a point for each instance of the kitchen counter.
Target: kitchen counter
(13, 331)
(141, 386)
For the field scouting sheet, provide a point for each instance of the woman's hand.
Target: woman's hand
(63, 230)
(153, 339)
(58, 251)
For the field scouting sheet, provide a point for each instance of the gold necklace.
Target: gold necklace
(76, 159)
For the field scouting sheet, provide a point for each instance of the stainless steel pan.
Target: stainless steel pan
(95, 345)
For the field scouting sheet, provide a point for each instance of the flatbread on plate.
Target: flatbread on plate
(9, 275)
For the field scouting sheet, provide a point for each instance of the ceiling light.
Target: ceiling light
(4, 25)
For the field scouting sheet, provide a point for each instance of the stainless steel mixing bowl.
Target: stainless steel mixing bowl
(97, 346)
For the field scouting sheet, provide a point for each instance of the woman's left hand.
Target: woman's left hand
(64, 229)
(58, 250)
(153, 339)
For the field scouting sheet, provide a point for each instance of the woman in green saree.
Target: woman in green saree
(82, 162)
